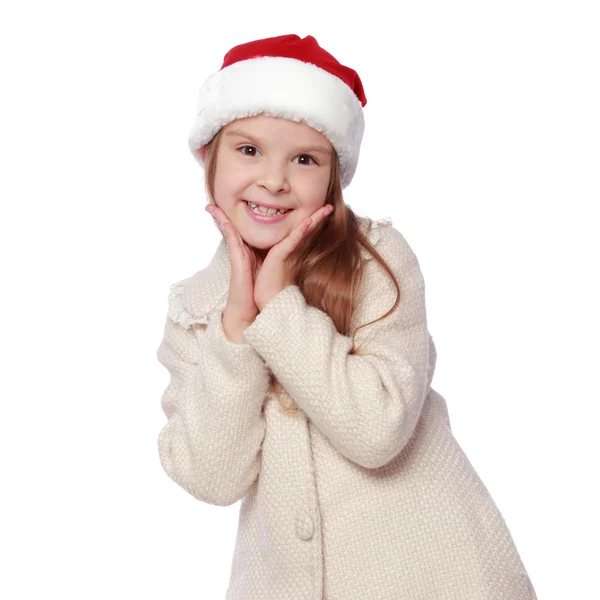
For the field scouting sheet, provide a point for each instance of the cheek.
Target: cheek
(313, 190)
(228, 182)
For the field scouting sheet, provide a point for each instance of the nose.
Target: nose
(273, 178)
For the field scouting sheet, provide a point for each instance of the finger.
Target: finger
(226, 225)
(237, 249)
(288, 244)
(317, 218)
(308, 224)
(234, 240)
(239, 253)
(323, 212)
(213, 211)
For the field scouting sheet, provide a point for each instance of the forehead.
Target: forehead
(266, 127)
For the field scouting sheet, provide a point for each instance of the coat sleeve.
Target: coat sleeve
(211, 443)
(367, 404)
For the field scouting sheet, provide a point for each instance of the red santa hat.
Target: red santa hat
(290, 77)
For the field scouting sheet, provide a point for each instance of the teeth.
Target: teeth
(266, 211)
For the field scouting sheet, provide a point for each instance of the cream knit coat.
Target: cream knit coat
(364, 493)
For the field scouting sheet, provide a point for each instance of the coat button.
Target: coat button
(305, 526)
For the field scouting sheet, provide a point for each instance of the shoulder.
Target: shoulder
(199, 297)
(389, 242)
(177, 310)
(377, 292)
(372, 228)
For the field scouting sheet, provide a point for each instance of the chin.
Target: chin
(261, 245)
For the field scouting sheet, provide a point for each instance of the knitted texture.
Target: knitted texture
(363, 492)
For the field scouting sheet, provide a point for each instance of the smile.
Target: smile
(261, 217)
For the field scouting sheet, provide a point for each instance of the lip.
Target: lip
(264, 218)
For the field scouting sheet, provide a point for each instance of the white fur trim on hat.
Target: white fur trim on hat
(282, 87)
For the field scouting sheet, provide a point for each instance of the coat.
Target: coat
(363, 493)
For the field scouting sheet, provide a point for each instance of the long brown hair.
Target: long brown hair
(328, 265)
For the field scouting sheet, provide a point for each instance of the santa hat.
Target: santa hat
(290, 77)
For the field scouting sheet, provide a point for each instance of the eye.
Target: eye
(241, 148)
(309, 157)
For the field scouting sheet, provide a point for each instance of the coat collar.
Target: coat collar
(198, 298)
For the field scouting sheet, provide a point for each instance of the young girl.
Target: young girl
(301, 361)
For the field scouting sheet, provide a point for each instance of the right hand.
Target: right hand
(241, 309)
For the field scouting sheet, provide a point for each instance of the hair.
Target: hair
(327, 266)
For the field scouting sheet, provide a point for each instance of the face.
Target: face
(271, 162)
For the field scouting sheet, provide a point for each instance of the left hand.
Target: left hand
(274, 274)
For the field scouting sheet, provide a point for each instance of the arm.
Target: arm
(366, 404)
(211, 443)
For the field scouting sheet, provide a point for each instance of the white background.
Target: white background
(481, 143)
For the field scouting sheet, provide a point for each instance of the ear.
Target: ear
(201, 153)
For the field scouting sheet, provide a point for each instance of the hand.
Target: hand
(240, 310)
(274, 274)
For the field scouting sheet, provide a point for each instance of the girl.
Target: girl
(301, 361)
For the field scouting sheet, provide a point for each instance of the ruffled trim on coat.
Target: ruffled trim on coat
(373, 233)
(178, 313)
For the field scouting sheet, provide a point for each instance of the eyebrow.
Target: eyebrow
(241, 133)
